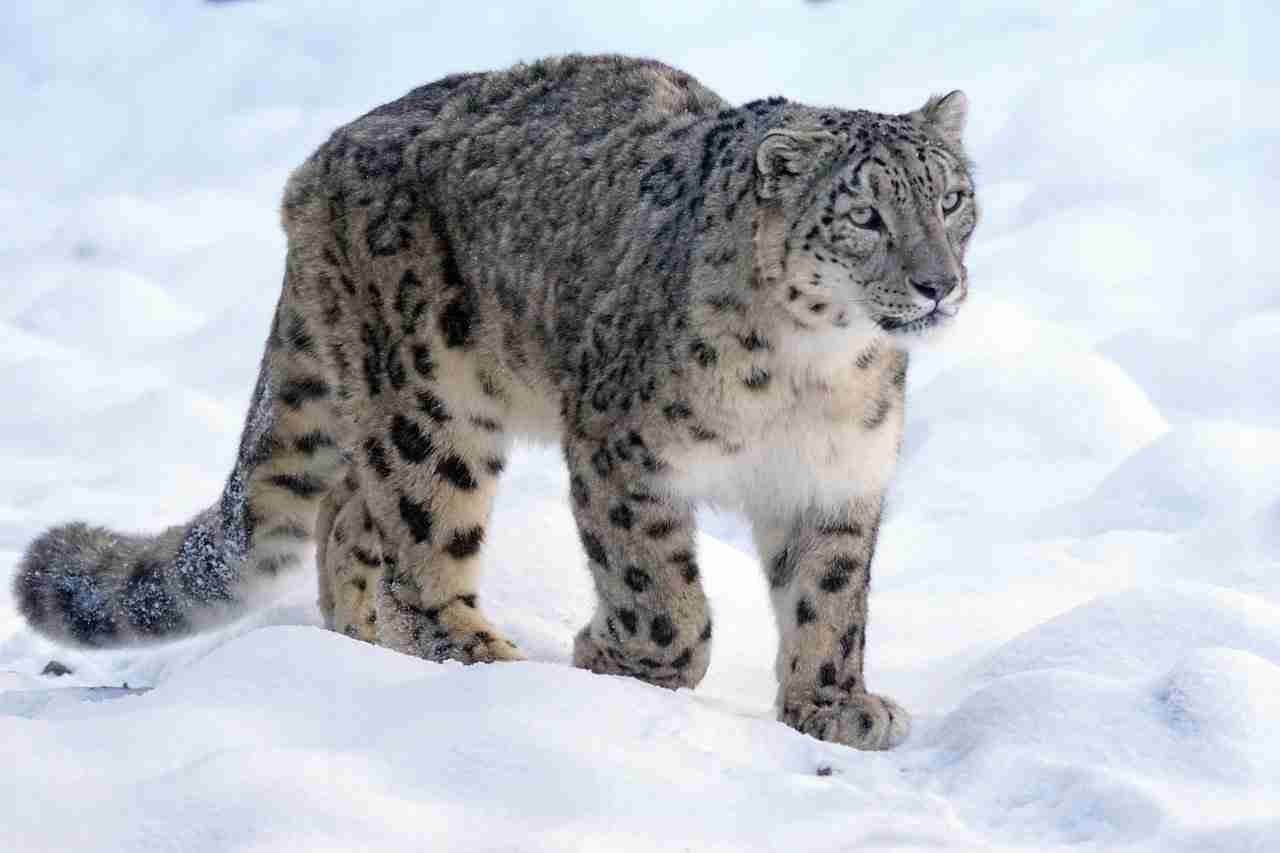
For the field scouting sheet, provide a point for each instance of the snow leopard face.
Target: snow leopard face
(881, 211)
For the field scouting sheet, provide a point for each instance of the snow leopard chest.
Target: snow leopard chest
(808, 443)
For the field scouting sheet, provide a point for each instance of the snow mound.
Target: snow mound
(1140, 631)
(1061, 757)
(1189, 476)
(1232, 699)
(296, 738)
(1067, 402)
(1099, 726)
(1020, 431)
(1230, 376)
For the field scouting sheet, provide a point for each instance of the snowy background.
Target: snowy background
(1078, 585)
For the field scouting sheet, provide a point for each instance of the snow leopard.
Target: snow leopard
(701, 303)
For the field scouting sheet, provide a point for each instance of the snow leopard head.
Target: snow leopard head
(864, 218)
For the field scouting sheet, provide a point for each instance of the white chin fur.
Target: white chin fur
(923, 339)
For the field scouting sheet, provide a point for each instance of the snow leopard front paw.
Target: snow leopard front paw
(863, 720)
(657, 666)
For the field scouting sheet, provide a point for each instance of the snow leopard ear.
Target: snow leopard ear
(785, 155)
(946, 113)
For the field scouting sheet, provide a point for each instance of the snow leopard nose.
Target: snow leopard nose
(935, 288)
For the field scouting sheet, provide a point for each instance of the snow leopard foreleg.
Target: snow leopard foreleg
(652, 620)
(819, 568)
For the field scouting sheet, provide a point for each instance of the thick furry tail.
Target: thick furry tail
(87, 586)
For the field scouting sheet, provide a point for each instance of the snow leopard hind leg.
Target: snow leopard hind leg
(418, 384)
(348, 562)
(431, 521)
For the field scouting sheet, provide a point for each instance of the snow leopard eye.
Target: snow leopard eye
(951, 201)
(866, 217)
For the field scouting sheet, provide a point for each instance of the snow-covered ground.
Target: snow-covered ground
(1078, 586)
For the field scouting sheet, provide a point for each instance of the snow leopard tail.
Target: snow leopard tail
(91, 587)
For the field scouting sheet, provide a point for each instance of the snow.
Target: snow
(1197, 473)
(1077, 587)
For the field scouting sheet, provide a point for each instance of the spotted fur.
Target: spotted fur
(699, 302)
